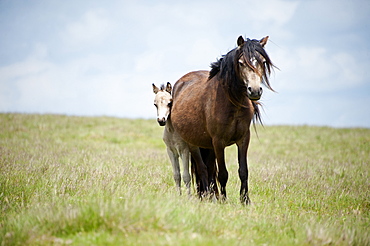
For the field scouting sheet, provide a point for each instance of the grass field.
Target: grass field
(108, 181)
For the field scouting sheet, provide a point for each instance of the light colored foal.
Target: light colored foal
(176, 146)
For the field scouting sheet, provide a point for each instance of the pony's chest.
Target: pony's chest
(238, 131)
(232, 127)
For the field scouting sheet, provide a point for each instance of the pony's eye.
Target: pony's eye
(155, 105)
(170, 104)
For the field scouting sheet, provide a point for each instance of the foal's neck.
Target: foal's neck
(169, 125)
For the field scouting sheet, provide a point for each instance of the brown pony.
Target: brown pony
(214, 109)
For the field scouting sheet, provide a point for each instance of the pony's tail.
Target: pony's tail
(209, 160)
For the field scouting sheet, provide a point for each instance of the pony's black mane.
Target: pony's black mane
(227, 69)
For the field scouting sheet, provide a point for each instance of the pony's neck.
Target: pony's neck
(234, 94)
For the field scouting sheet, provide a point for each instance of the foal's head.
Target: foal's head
(163, 102)
(254, 65)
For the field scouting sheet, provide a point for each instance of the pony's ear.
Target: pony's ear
(240, 41)
(168, 87)
(264, 41)
(155, 89)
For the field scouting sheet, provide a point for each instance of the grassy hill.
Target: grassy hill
(108, 181)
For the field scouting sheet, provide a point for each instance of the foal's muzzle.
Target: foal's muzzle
(162, 122)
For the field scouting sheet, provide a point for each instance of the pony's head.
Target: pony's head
(163, 102)
(253, 66)
(244, 69)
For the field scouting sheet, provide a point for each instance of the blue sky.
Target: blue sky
(95, 58)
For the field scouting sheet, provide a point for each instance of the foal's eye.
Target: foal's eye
(170, 104)
(155, 105)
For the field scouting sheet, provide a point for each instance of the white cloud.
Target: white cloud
(208, 50)
(315, 69)
(260, 18)
(31, 65)
(149, 62)
(350, 71)
(337, 14)
(22, 69)
(276, 12)
(92, 28)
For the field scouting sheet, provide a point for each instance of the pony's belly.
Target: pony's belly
(191, 129)
(194, 135)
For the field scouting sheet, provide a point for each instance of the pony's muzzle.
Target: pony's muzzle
(254, 93)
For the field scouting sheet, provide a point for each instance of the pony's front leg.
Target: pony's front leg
(174, 158)
(185, 164)
(243, 169)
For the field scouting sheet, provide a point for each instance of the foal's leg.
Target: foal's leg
(174, 158)
(185, 165)
(223, 175)
(243, 169)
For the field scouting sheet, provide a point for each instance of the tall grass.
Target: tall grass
(108, 181)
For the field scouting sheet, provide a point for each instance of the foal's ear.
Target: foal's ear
(168, 87)
(155, 89)
(240, 41)
(264, 41)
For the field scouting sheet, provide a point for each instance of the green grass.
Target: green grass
(108, 181)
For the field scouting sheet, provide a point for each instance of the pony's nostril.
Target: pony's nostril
(250, 89)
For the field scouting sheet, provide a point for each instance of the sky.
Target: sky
(100, 58)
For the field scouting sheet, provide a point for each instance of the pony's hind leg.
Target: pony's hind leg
(223, 175)
(174, 158)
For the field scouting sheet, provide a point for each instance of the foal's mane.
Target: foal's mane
(162, 87)
(226, 70)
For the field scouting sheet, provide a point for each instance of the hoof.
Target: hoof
(245, 200)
